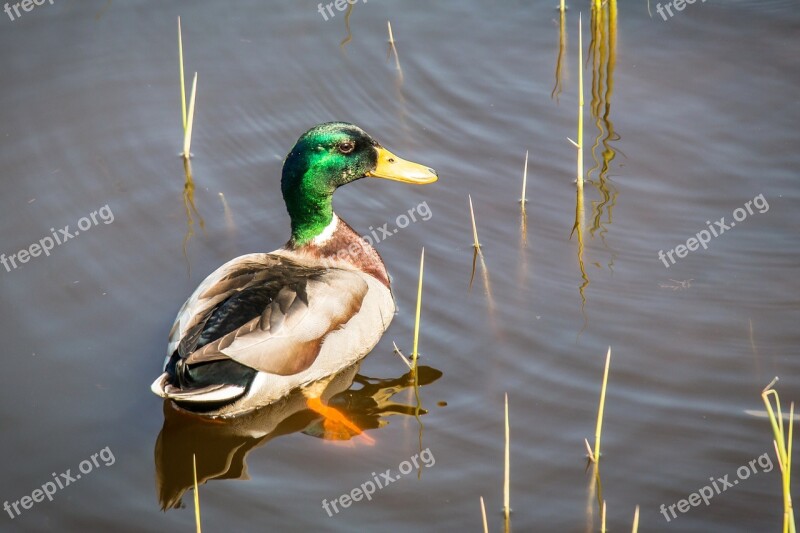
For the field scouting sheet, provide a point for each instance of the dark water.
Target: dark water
(697, 115)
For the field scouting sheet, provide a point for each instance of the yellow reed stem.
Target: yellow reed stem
(415, 353)
(524, 181)
(507, 470)
(187, 137)
(476, 244)
(183, 83)
(601, 409)
(783, 448)
(483, 514)
(196, 495)
(580, 104)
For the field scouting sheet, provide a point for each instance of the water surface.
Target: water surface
(700, 116)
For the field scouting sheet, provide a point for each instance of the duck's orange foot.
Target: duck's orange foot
(336, 425)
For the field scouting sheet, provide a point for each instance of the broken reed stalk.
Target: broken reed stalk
(187, 136)
(414, 353)
(183, 83)
(196, 495)
(187, 120)
(524, 181)
(580, 103)
(783, 447)
(603, 518)
(601, 409)
(229, 222)
(483, 514)
(507, 472)
(476, 244)
(635, 528)
(403, 357)
(523, 220)
(393, 48)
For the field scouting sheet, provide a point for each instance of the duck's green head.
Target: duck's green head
(331, 155)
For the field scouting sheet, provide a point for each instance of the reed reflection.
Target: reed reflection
(190, 209)
(562, 45)
(603, 54)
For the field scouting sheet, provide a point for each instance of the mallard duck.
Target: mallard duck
(264, 324)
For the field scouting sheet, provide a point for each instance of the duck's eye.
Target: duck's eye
(346, 147)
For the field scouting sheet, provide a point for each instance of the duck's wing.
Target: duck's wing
(266, 312)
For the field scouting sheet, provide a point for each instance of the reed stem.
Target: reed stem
(507, 470)
(783, 448)
(601, 409)
(580, 104)
(415, 353)
(183, 83)
(187, 137)
(196, 495)
(524, 181)
(603, 518)
(483, 514)
(476, 244)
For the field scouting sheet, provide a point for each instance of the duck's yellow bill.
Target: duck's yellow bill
(391, 167)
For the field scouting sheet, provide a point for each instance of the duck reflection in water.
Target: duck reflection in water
(222, 444)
